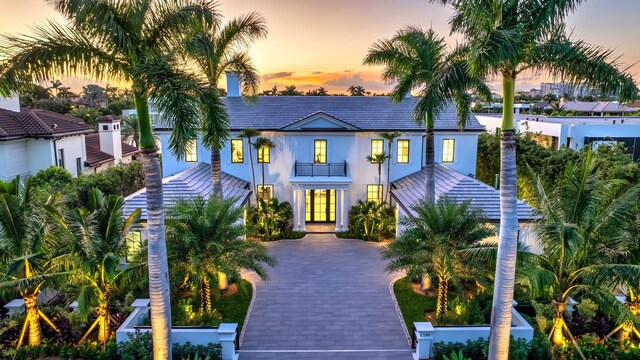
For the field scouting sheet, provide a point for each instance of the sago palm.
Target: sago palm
(27, 246)
(220, 48)
(206, 242)
(433, 241)
(419, 59)
(263, 147)
(507, 38)
(249, 134)
(390, 137)
(97, 233)
(124, 41)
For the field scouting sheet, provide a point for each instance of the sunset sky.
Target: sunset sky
(315, 43)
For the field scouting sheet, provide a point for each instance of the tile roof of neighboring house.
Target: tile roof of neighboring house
(95, 156)
(409, 191)
(365, 113)
(597, 106)
(189, 183)
(39, 124)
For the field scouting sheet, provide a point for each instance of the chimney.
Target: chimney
(110, 140)
(233, 84)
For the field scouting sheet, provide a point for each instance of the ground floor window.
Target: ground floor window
(265, 192)
(133, 245)
(374, 193)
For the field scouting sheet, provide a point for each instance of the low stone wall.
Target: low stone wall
(426, 334)
(225, 334)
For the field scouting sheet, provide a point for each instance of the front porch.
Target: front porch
(321, 201)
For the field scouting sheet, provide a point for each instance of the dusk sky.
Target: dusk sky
(322, 43)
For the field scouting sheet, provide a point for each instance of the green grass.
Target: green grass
(234, 308)
(412, 305)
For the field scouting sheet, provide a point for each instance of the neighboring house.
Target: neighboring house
(596, 108)
(33, 140)
(575, 131)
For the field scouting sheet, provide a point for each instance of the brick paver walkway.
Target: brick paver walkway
(327, 299)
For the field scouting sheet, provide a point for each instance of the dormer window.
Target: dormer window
(320, 151)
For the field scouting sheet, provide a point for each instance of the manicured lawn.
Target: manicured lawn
(234, 308)
(412, 305)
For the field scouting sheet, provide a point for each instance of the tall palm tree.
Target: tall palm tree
(507, 38)
(98, 232)
(220, 48)
(207, 241)
(27, 245)
(249, 134)
(124, 42)
(289, 90)
(379, 159)
(356, 90)
(263, 145)
(433, 241)
(55, 85)
(130, 129)
(415, 58)
(390, 137)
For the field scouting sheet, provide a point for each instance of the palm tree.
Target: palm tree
(130, 129)
(390, 137)
(124, 42)
(415, 58)
(581, 230)
(207, 241)
(248, 134)
(89, 115)
(56, 85)
(222, 48)
(433, 241)
(98, 231)
(263, 145)
(507, 38)
(27, 244)
(356, 90)
(289, 91)
(379, 159)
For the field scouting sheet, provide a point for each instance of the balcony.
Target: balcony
(321, 170)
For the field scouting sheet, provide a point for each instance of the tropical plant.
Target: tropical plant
(28, 253)
(206, 242)
(415, 58)
(289, 90)
(98, 232)
(263, 146)
(270, 219)
(379, 159)
(249, 134)
(124, 42)
(55, 85)
(88, 115)
(390, 137)
(321, 91)
(372, 220)
(130, 129)
(220, 48)
(356, 90)
(507, 38)
(432, 243)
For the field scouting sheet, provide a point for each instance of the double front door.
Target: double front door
(320, 205)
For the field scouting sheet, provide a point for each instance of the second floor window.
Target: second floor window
(448, 150)
(191, 151)
(402, 155)
(264, 155)
(61, 158)
(377, 147)
(374, 193)
(237, 151)
(320, 151)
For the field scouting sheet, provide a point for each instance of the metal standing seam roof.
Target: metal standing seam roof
(596, 106)
(366, 113)
(409, 192)
(187, 184)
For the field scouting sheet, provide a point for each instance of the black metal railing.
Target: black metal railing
(316, 169)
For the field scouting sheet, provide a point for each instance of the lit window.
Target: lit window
(377, 146)
(264, 155)
(448, 150)
(191, 151)
(320, 151)
(133, 244)
(265, 192)
(402, 155)
(374, 193)
(61, 158)
(237, 151)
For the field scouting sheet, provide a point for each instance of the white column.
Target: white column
(303, 210)
(345, 210)
(338, 210)
(296, 210)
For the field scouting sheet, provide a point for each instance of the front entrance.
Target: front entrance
(320, 205)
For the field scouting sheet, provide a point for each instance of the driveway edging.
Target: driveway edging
(398, 311)
(246, 318)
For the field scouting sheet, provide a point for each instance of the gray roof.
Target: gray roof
(365, 113)
(597, 106)
(409, 192)
(187, 184)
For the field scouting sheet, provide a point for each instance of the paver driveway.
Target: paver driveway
(328, 298)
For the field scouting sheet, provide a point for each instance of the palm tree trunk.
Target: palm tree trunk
(380, 181)
(387, 195)
(205, 302)
(263, 175)
(443, 289)
(33, 319)
(429, 167)
(157, 247)
(253, 172)
(508, 240)
(216, 171)
(103, 323)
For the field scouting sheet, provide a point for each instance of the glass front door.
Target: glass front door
(320, 205)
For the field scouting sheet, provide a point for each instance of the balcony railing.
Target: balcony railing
(314, 169)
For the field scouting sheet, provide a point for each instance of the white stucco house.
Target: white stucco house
(32, 140)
